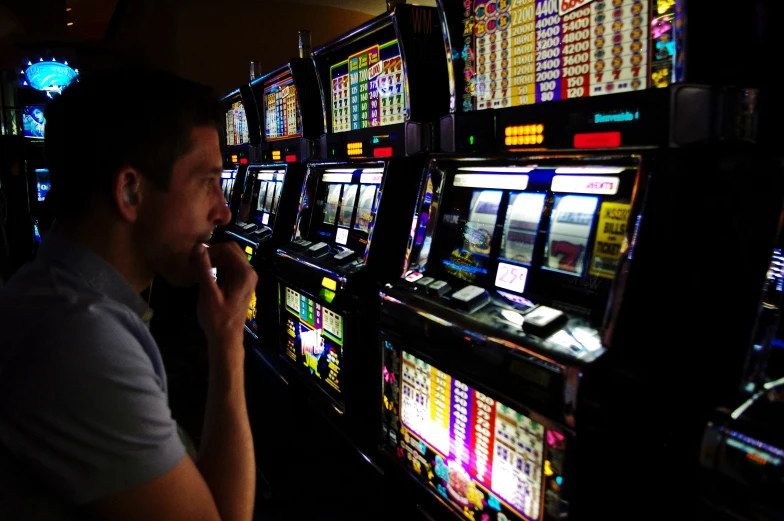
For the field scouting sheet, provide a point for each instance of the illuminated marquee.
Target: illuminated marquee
(48, 76)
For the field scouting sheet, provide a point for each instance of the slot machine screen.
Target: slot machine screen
(237, 132)
(313, 338)
(43, 182)
(250, 319)
(485, 456)
(346, 204)
(268, 186)
(227, 184)
(282, 117)
(534, 51)
(369, 89)
(33, 121)
(542, 232)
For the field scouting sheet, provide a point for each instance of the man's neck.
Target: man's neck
(113, 245)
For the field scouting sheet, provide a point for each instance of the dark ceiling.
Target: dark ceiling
(26, 21)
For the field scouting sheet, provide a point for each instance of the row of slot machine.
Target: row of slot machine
(517, 254)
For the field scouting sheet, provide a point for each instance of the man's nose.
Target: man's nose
(222, 213)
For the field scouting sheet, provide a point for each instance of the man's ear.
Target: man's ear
(127, 193)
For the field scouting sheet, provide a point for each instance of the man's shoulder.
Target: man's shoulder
(40, 299)
(51, 328)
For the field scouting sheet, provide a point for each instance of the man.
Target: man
(85, 427)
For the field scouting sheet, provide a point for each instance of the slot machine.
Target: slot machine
(290, 102)
(569, 312)
(742, 454)
(240, 139)
(383, 85)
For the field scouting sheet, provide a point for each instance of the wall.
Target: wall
(214, 42)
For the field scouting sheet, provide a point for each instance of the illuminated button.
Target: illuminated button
(413, 276)
(439, 287)
(262, 233)
(318, 249)
(424, 282)
(329, 283)
(542, 320)
(276, 155)
(470, 298)
(344, 256)
(301, 244)
(249, 250)
(327, 295)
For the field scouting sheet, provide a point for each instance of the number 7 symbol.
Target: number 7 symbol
(568, 253)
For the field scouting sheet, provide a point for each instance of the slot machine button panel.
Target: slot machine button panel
(424, 282)
(413, 277)
(543, 321)
(319, 249)
(438, 288)
(261, 233)
(301, 244)
(344, 256)
(470, 298)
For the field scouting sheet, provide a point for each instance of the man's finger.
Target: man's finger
(229, 258)
(203, 266)
(226, 255)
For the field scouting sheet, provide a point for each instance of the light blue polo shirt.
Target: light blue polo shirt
(84, 409)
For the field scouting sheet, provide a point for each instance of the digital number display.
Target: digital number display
(511, 277)
(369, 89)
(341, 236)
(236, 125)
(520, 52)
(282, 115)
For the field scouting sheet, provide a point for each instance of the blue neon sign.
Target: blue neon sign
(49, 76)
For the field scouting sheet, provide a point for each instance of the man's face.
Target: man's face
(173, 223)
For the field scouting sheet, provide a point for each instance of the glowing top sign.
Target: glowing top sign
(49, 76)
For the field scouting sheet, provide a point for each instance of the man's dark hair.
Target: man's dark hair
(134, 117)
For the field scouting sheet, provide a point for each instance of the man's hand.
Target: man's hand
(226, 458)
(223, 308)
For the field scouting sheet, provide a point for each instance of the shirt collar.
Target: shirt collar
(95, 271)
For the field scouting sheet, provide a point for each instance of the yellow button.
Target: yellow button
(329, 283)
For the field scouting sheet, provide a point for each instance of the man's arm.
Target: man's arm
(180, 494)
(222, 485)
(226, 458)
